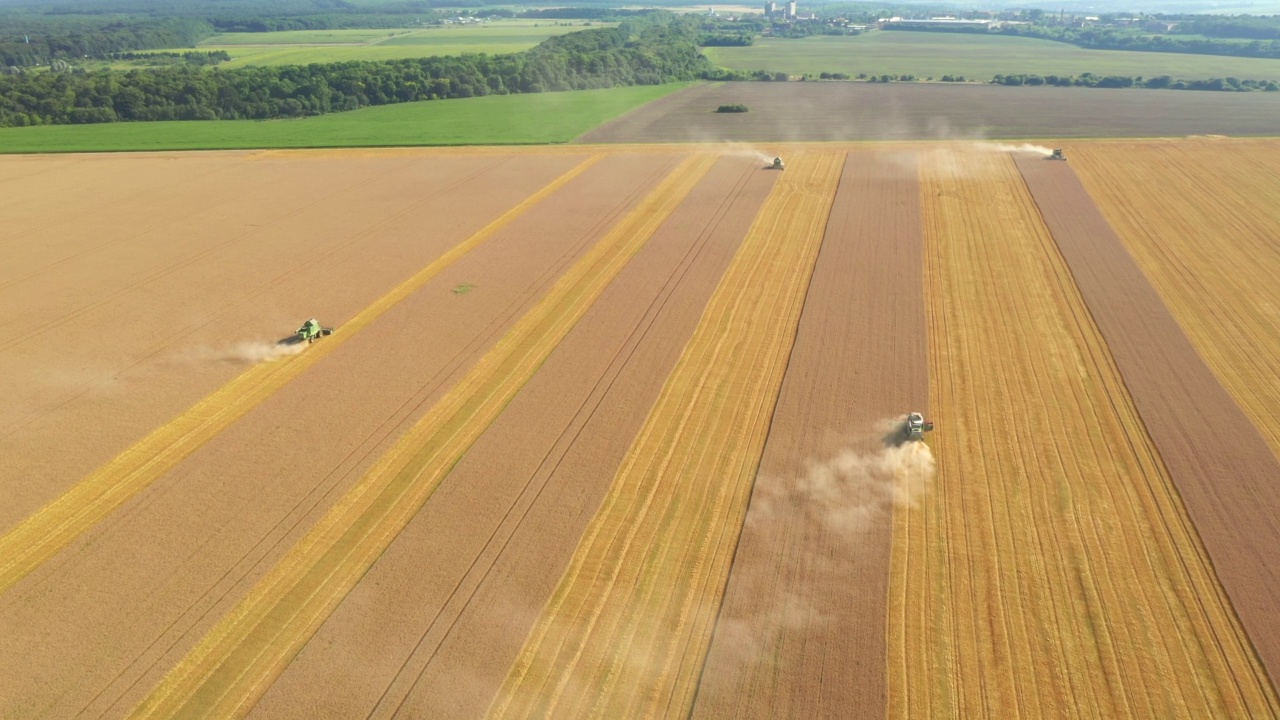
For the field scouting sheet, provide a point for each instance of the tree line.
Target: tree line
(1116, 39)
(37, 41)
(1162, 82)
(190, 57)
(656, 48)
(1249, 27)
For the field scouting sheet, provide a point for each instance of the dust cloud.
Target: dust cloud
(249, 352)
(737, 149)
(853, 488)
(1020, 148)
(830, 508)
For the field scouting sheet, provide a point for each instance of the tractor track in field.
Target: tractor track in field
(610, 642)
(194, 210)
(36, 539)
(1053, 564)
(156, 349)
(250, 563)
(508, 541)
(582, 417)
(314, 260)
(1223, 468)
(550, 473)
(217, 247)
(468, 332)
(234, 664)
(792, 636)
(165, 188)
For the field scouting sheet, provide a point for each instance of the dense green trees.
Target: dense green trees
(1162, 82)
(1115, 39)
(1227, 26)
(38, 40)
(648, 50)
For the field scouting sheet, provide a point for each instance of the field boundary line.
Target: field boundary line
(57, 524)
(540, 481)
(635, 600)
(225, 674)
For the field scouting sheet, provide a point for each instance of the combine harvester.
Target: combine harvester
(777, 164)
(917, 426)
(1056, 155)
(311, 330)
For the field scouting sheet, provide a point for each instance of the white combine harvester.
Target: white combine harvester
(917, 426)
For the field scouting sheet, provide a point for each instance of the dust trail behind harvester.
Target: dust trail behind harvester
(249, 352)
(1019, 148)
(832, 505)
(737, 149)
(854, 486)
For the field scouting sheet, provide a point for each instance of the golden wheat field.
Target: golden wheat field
(615, 432)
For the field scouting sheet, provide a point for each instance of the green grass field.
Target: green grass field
(926, 54)
(320, 46)
(494, 120)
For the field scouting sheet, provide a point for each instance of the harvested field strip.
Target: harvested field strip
(801, 631)
(626, 630)
(204, 244)
(221, 520)
(240, 657)
(1200, 218)
(1051, 570)
(1224, 471)
(58, 523)
(495, 543)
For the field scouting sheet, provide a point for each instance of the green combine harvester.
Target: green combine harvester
(311, 330)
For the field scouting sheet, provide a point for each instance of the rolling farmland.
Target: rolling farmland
(975, 56)
(614, 431)
(302, 47)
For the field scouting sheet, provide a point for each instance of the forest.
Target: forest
(648, 49)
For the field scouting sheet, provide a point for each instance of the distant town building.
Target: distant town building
(788, 11)
(936, 24)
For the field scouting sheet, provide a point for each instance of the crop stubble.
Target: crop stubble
(1224, 471)
(439, 619)
(801, 632)
(1200, 219)
(213, 527)
(149, 347)
(93, 498)
(230, 669)
(1052, 570)
(625, 631)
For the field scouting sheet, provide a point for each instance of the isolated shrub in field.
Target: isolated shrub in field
(733, 108)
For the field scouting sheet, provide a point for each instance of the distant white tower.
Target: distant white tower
(770, 8)
(791, 10)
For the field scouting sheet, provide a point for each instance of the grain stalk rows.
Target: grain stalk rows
(1053, 569)
(56, 525)
(240, 657)
(625, 633)
(1200, 218)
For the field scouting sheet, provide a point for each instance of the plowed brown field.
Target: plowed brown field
(610, 431)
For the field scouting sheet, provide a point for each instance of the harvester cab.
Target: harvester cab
(1057, 154)
(777, 164)
(311, 330)
(917, 426)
